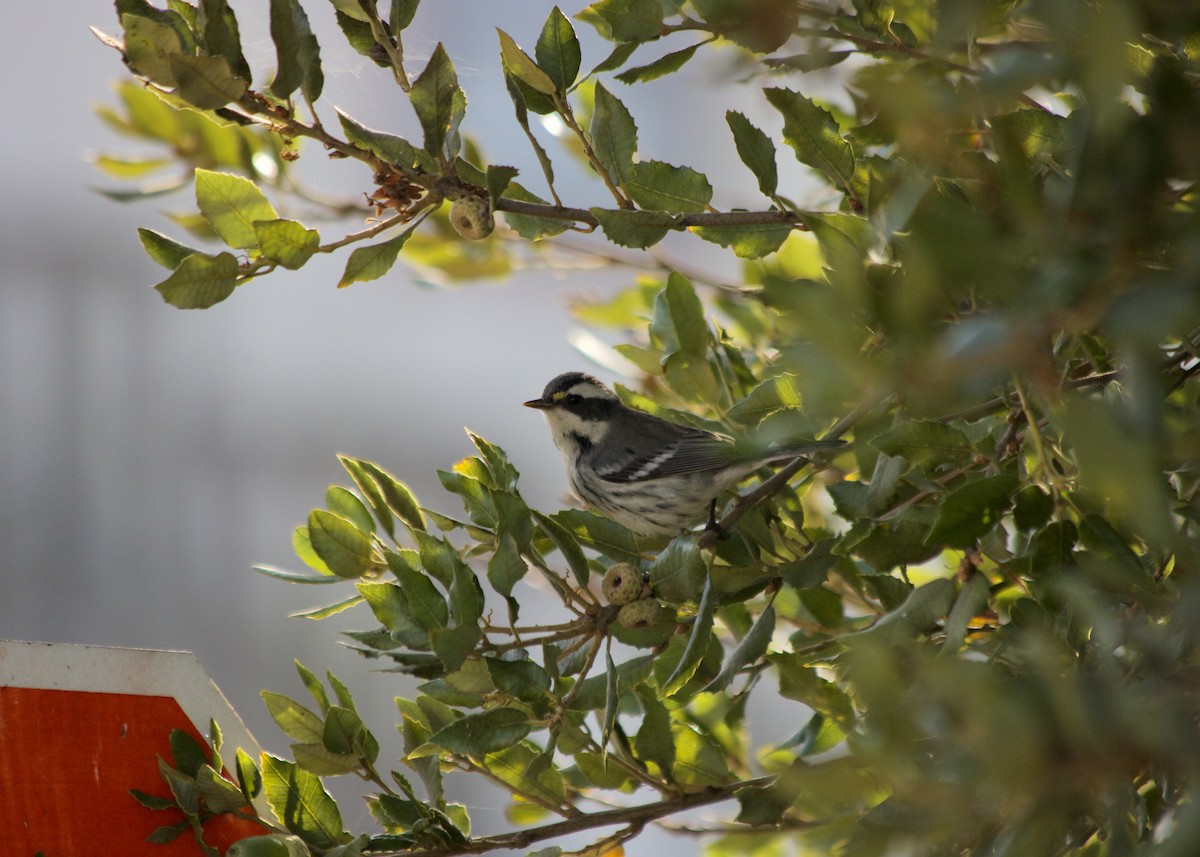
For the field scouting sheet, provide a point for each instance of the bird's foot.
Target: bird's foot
(713, 525)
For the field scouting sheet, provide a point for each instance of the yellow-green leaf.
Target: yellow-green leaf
(231, 205)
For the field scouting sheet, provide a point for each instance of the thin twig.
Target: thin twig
(781, 477)
(587, 821)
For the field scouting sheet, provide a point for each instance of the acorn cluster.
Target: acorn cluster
(625, 585)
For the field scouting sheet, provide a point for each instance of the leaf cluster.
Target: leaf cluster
(980, 614)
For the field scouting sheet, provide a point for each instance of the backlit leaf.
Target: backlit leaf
(200, 281)
(300, 801)
(287, 242)
(231, 205)
(812, 132)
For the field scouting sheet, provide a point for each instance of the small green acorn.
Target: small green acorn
(622, 584)
(471, 217)
(640, 614)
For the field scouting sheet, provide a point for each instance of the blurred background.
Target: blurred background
(150, 456)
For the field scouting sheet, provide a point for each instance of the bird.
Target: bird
(653, 476)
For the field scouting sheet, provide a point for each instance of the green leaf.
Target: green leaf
(506, 567)
(206, 82)
(172, 17)
(752, 241)
(926, 444)
(637, 229)
(602, 772)
(614, 136)
(287, 242)
(612, 698)
(654, 741)
(340, 544)
(149, 46)
(971, 601)
(483, 733)
(600, 534)
(523, 679)
(520, 104)
(751, 647)
(128, 169)
(402, 14)
(293, 719)
(782, 392)
(315, 759)
(393, 149)
(971, 511)
(800, 682)
(438, 558)
(812, 132)
(345, 734)
(498, 180)
(216, 28)
(698, 759)
(454, 645)
(298, 56)
(557, 50)
(615, 59)
(399, 498)
(151, 801)
(440, 105)
(466, 596)
(389, 604)
(679, 321)
(521, 66)
(920, 612)
(567, 546)
(249, 777)
(697, 643)
(423, 603)
(1109, 558)
(661, 67)
(678, 573)
(515, 766)
(163, 250)
(371, 263)
(328, 610)
(888, 544)
(371, 491)
(186, 753)
(625, 20)
(313, 684)
(1118, 464)
(200, 281)
(756, 150)
(300, 801)
(657, 186)
(1032, 508)
(231, 205)
(219, 794)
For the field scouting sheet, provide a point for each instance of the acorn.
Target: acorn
(622, 584)
(471, 217)
(640, 614)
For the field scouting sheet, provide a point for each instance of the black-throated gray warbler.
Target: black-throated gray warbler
(653, 476)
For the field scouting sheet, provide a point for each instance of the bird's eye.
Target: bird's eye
(574, 399)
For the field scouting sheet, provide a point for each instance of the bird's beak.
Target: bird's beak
(539, 404)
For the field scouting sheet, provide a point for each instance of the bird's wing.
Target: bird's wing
(659, 448)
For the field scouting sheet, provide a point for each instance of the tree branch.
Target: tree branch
(781, 477)
(682, 221)
(625, 815)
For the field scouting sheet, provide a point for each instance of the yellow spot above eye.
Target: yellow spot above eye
(559, 396)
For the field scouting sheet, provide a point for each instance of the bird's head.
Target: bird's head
(578, 408)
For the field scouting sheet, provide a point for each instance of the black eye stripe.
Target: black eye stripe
(587, 407)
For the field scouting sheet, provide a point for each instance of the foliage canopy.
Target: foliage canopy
(983, 614)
